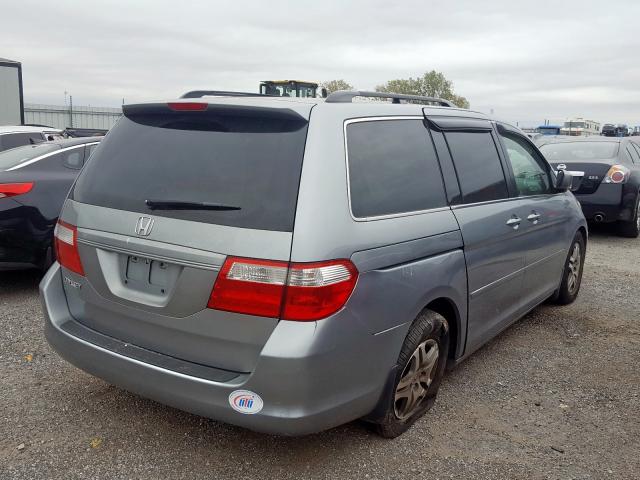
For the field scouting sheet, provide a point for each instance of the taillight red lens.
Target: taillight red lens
(13, 189)
(254, 287)
(617, 177)
(188, 106)
(66, 243)
(297, 291)
(617, 174)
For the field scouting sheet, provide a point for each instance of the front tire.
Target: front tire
(420, 368)
(572, 274)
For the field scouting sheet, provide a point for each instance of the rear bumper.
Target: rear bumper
(608, 200)
(308, 381)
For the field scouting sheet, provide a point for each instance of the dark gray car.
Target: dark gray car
(290, 265)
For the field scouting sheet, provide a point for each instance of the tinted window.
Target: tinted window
(14, 157)
(392, 168)
(577, 151)
(478, 166)
(531, 175)
(73, 158)
(246, 162)
(13, 140)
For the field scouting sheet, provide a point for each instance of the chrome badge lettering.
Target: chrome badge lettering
(71, 283)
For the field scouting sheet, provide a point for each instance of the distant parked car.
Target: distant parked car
(34, 181)
(611, 130)
(610, 189)
(17, 136)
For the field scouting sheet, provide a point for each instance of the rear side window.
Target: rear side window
(73, 158)
(251, 163)
(392, 168)
(478, 166)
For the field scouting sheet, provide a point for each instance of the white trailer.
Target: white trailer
(11, 100)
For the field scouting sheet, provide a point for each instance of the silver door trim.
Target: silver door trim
(512, 274)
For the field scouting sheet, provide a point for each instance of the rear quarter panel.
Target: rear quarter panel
(404, 262)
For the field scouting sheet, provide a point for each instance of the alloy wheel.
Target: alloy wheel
(416, 379)
(575, 264)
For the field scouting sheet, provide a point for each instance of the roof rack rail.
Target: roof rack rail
(219, 93)
(347, 96)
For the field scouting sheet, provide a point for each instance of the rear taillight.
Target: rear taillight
(13, 189)
(291, 291)
(66, 243)
(617, 174)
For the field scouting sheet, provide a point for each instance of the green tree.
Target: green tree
(335, 85)
(431, 84)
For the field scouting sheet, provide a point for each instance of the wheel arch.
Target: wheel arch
(448, 309)
(583, 231)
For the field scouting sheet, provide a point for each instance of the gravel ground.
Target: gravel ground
(555, 396)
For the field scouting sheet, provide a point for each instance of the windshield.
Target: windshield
(574, 124)
(567, 151)
(251, 164)
(15, 156)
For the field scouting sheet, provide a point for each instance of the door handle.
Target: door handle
(534, 217)
(514, 222)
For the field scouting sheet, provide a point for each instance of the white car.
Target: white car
(16, 136)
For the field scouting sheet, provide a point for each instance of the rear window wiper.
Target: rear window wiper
(182, 205)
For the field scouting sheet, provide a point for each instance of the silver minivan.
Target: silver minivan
(289, 265)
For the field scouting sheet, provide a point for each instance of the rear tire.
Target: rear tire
(420, 368)
(631, 229)
(572, 274)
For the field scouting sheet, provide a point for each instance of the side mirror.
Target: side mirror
(568, 180)
(323, 92)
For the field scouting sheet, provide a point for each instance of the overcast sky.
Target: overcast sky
(525, 61)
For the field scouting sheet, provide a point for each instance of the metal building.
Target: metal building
(11, 102)
(63, 116)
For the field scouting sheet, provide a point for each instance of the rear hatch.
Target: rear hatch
(170, 193)
(593, 158)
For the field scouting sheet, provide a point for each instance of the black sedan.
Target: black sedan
(610, 189)
(34, 181)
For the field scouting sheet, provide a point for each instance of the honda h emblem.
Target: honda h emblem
(144, 226)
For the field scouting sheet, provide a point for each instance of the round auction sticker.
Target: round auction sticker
(245, 401)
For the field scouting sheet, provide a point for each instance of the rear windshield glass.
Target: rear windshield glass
(250, 164)
(579, 151)
(16, 156)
